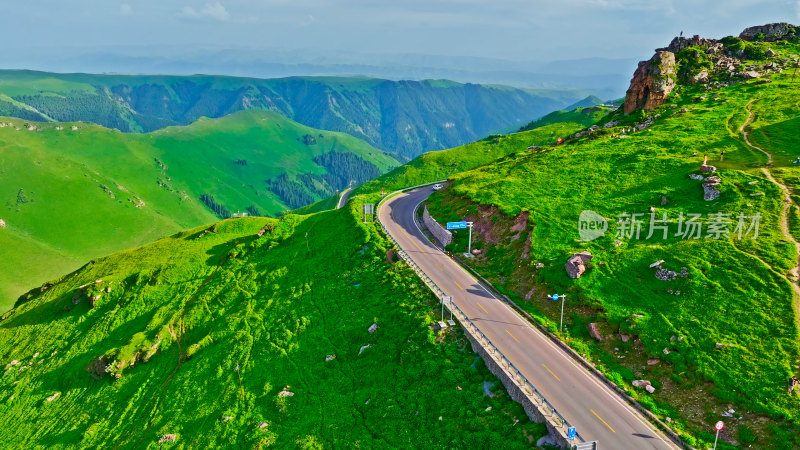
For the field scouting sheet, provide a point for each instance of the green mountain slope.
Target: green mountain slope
(68, 195)
(216, 337)
(723, 333)
(404, 117)
(587, 102)
(580, 117)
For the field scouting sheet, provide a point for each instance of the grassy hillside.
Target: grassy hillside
(404, 117)
(580, 117)
(216, 337)
(724, 336)
(68, 195)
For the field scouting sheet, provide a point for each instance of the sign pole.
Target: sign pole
(718, 426)
(469, 245)
(561, 325)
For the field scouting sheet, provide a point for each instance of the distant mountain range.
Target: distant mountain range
(406, 118)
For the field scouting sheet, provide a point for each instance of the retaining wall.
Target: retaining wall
(439, 232)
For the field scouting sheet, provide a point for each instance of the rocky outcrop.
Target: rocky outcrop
(710, 191)
(576, 265)
(771, 32)
(2, 223)
(652, 82)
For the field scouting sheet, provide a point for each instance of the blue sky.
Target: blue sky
(525, 30)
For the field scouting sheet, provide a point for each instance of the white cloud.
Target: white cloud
(211, 11)
(125, 9)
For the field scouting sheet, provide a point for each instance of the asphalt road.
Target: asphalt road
(592, 408)
(343, 197)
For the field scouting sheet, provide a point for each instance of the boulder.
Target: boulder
(649, 388)
(710, 191)
(771, 53)
(624, 337)
(285, 393)
(705, 168)
(749, 75)
(653, 361)
(576, 264)
(593, 331)
(373, 328)
(168, 438)
(657, 263)
(641, 383)
(699, 78)
(695, 176)
(330, 358)
(53, 397)
(652, 83)
(2, 223)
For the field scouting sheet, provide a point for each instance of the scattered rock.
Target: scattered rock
(2, 223)
(771, 53)
(372, 328)
(166, 437)
(641, 383)
(593, 331)
(666, 351)
(263, 425)
(476, 252)
(226, 418)
(624, 337)
(285, 393)
(649, 388)
(684, 273)
(720, 345)
(668, 419)
(53, 397)
(617, 243)
(653, 361)
(700, 77)
(665, 274)
(657, 263)
(752, 182)
(13, 363)
(330, 358)
(652, 209)
(538, 266)
(695, 176)
(576, 265)
(364, 347)
(664, 200)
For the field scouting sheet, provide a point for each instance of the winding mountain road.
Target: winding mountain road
(593, 408)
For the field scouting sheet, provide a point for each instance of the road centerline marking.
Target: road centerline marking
(551, 372)
(601, 420)
(481, 307)
(413, 241)
(459, 286)
(512, 336)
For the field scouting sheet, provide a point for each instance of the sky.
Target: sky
(516, 30)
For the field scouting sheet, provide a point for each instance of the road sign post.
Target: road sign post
(446, 299)
(469, 245)
(571, 434)
(555, 298)
(718, 426)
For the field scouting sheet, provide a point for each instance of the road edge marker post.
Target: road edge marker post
(469, 243)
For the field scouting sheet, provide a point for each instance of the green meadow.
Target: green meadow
(68, 195)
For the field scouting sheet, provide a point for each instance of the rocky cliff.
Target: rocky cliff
(695, 60)
(652, 82)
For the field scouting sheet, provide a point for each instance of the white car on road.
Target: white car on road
(438, 187)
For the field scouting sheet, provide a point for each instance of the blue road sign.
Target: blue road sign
(571, 433)
(555, 299)
(456, 225)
